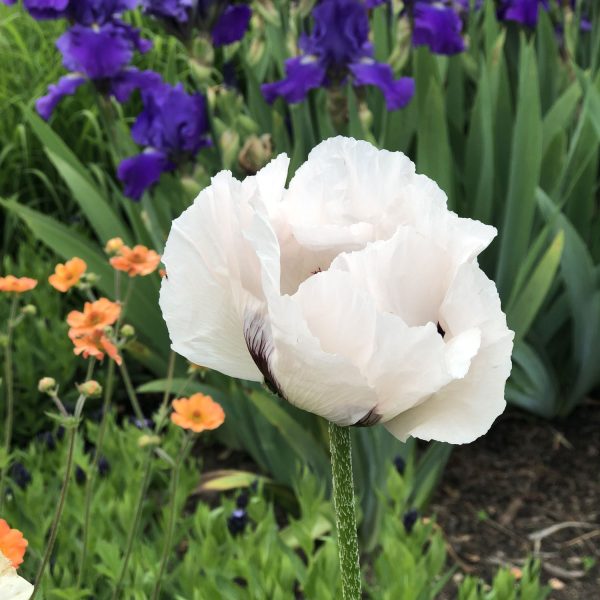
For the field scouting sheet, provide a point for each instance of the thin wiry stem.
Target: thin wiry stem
(134, 523)
(10, 398)
(135, 404)
(172, 515)
(108, 390)
(65, 485)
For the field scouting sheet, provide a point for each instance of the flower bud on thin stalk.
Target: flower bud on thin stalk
(72, 436)
(354, 294)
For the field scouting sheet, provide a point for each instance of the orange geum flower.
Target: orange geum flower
(10, 283)
(95, 344)
(138, 260)
(12, 544)
(95, 316)
(198, 412)
(67, 275)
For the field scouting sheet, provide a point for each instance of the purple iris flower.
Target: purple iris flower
(525, 12)
(100, 54)
(437, 26)
(231, 25)
(46, 9)
(179, 10)
(338, 48)
(173, 127)
(226, 23)
(84, 12)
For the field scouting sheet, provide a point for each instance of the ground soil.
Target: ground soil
(526, 476)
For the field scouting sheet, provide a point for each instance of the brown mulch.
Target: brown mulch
(525, 476)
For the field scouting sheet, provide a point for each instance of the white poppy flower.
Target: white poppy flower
(354, 294)
(12, 585)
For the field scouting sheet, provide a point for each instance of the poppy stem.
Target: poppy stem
(345, 512)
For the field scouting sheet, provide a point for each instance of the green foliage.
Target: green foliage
(266, 560)
(281, 438)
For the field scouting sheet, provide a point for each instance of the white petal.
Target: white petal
(270, 183)
(310, 378)
(342, 318)
(14, 587)
(466, 408)
(219, 255)
(460, 350)
(345, 181)
(407, 275)
(392, 357)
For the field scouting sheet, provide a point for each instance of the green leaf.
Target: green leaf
(101, 216)
(524, 174)
(523, 310)
(532, 386)
(302, 442)
(434, 157)
(480, 153)
(228, 479)
(560, 115)
(583, 292)
(428, 472)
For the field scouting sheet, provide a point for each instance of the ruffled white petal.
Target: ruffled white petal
(12, 585)
(466, 408)
(323, 383)
(219, 255)
(345, 181)
(407, 275)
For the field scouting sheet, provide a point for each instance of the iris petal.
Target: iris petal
(140, 172)
(65, 86)
(303, 74)
(231, 25)
(397, 92)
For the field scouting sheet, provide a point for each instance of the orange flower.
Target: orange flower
(95, 344)
(12, 544)
(10, 283)
(198, 412)
(95, 316)
(67, 275)
(136, 261)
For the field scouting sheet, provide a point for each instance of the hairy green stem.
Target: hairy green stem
(10, 398)
(172, 515)
(108, 389)
(344, 505)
